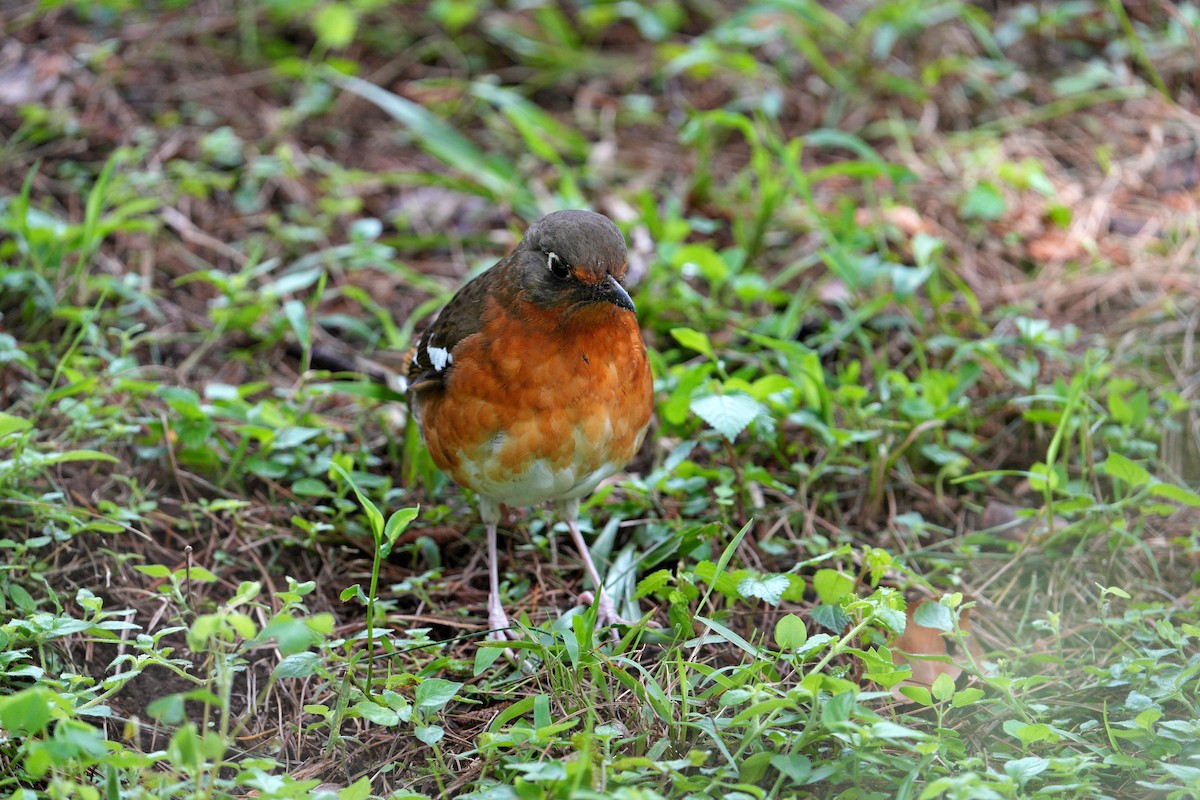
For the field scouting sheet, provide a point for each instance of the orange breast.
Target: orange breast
(536, 411)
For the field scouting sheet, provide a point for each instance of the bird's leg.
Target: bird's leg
(497, 619)
(606, 610)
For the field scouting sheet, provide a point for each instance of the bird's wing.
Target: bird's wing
(432, 359)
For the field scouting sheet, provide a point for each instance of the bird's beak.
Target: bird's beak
(610, 291)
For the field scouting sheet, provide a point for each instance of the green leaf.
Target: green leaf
(298, 665)
(918, 694)
(1177, 493)
(795, 766)
(728, 414)
(359, 790)
(396, 525)
(433, 693)
(984, 202)
(335, 25)
(12, 424)
(720, 581)
(934, 615)
(167, 709)
(1022, 769)
(374, 516)
(790, 632)
(728, 635)
(943, 687)
(652, 583)
(693, 258)
(297, 317)
(380, 715)
(484, 658)
(831, 586)
(46, 459)
(967, 697)
(1119, 467)
(892, 618)
(694, 340)
(21, 598)
(429, 734)
(837, 709)
(769, 588)
(830, 617)
(1029, 733)
(925, 247)
(27, 712)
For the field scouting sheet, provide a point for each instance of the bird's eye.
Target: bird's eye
(557, 266)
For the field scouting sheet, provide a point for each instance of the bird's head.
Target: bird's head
(572, 262)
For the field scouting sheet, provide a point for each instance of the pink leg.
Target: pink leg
(497, 619)
(606, 611)
(489, 511)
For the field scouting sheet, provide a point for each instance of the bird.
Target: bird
(532, 385)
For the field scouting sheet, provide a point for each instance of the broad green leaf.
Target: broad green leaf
(298, 665)
(380, 715)
(359, 790)
(892, 618)
(790, 632)
(830, 617)
(984, 202)
(429, 734)
(795, 766)
(1177, 493)
(12, 424)
(167, 709)
(1029, 733)
(1119, 467)
(931, 614)
(652, 583)
(26, 712)
(693, 258)
(831, 586)
(694, 340)
(21, 598)
(728, 414)
(769, 588)
(484, 658)
(433, 693)
(1022, 769)
(335, 25)
(943, 687)
(396, 525)
(918, 694)
(966, 697)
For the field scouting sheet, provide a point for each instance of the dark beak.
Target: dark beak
(610, 291)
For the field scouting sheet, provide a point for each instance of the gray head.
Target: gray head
(573, 259)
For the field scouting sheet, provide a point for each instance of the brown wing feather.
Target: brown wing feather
(460, 318)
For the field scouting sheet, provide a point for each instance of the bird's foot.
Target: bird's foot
(500, 627)
(501, 631)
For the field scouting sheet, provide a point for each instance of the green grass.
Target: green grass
(901, 355)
